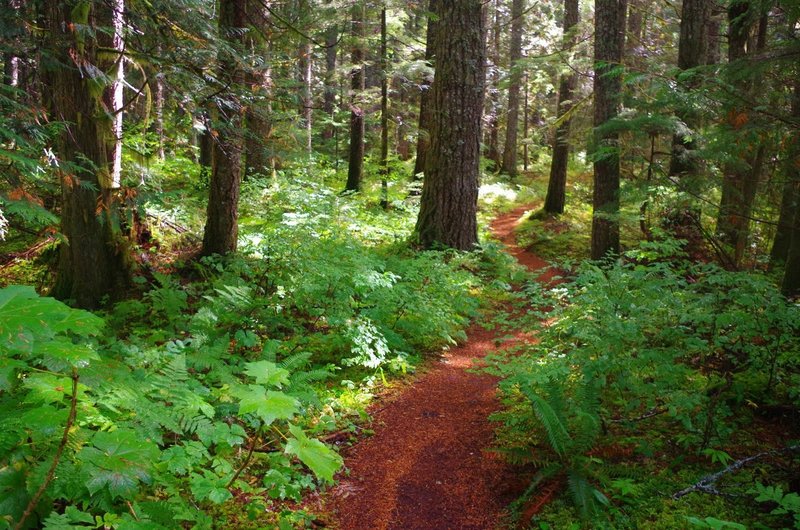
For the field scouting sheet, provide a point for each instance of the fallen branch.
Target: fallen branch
(169, 224)
(12, 257)
(706, 484)
(646, 415)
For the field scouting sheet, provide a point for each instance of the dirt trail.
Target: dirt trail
(426, 467)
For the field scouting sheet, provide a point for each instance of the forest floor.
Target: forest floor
(429, 463)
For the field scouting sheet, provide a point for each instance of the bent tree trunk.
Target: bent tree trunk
(92, 262)
(557, 186)
(450, 191)
(222, 230)
(608, 44)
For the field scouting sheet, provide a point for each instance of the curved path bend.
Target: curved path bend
(427, 465)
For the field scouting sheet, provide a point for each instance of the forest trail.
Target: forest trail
(427, 465)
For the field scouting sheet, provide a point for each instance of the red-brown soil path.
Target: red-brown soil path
(427, 465)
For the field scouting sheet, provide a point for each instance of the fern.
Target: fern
(557, 434)
(586, 497)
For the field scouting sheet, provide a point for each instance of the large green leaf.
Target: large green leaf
(319, 458)
(25, 317)
(267, 373)
(267, 405)
(61, 350)
(119, 460)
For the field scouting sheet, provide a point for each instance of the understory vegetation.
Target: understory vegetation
(661, 392)
(208, 394)
(228, 227)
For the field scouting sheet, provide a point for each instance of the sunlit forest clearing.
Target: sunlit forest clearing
(433, 264)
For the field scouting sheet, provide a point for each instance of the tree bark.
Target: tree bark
(222, 230)
(304, 64)
(450, 191)
(791, 275)
(14, 30)
(608, 45)
(92, 264)
(259, 81)
(740, 179)
(384, 116)
(790, 200)
(515, 53)
(423, 137)
(329, 95)
(557, 186)
(493, 110)
(692, 52)
(635, 22)
(713, 23)
(116, 90)
(355, 167)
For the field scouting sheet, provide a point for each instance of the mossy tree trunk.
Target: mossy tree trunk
(92, 263)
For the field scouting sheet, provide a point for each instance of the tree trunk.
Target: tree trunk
(329, 96)
(515, 52)
(790, 200)
(791, 275)
(304, 63)
(713, 23)
(425, 111)
(633, 40)
(557, 186)
(222, 230)
(115, 94)
(740, 179)
(493, 110)
(92, 264)
(450, 191)
(259, 81)
(355, 167)
(13, 28)
(160, 98)
(384, 116)
(692, 51)
(402, 118)
(608, 45)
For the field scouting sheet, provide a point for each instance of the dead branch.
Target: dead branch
(707, 483)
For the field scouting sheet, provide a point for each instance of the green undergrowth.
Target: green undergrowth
(651, 373)
(207, 400)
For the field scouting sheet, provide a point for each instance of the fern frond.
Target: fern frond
(296, 361)
(586, 497)
(557, 434)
